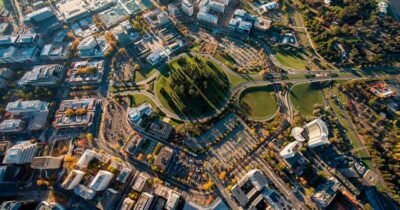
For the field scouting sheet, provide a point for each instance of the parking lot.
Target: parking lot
(187, 168)
(245, 55)
(234, 147)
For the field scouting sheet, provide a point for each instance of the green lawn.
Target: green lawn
(291, 58)
(343, 118)
(137, 99)
(207, 98)
(259, 102)
(225, 59)
(143, 74)
(304, 96)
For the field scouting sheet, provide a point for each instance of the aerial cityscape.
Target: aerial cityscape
(200, 104)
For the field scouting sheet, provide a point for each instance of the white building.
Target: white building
(43, 76)
(127, 204)
(11, 126)
(135, 114)
(85, 159)
(315, 132)
(22, 107)
(73, 179)
(268, 6)
(140, 182)
(85, 192)
(290, 150)
(124, 174)
(382, 6)
(187, 7)
(208, 18)
(47, 162)
(144, 201)
(156, 57)
(248, 186)
(326, 192)
(101, 180)
(21, 153)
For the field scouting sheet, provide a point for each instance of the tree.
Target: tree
(157, 148)
(39, 182)
(89, 136)
(69, 113)
(222, 175)
(81, 112)
(208, 185)
(122, 51)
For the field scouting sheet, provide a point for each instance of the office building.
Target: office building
(20, 153)
(73, 179)
(144, 201)
(101, 180)
(43, 76)
(249, 186)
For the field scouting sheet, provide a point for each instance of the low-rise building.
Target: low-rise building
(26, 107)
(172, 197)
(291, 149)
(5, 28)
(75, 113)
(85, 159)
(315, 132)
(55, 52)
(382, 7)
(127, 204)
(47, 162)
(44, 205)
(144, 201)
(92, 47)
(33, 113)
(249, 186)
(101, 180)
(269, 6)
(86, 73)
(187, 7)
(326, 192)
(163, 158)
(140, 182)
(20, 153)
(125, 34)
(6, 73)
(207, 18)
(73, 179)
(12, 54)
(381, 89)
(44, 76)
(156, 57)
(242, 21)
(109, 200)
(269, 199)
(12, 126)
(141, 121)
(124, 174)
(84, 192)
(39, 15)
